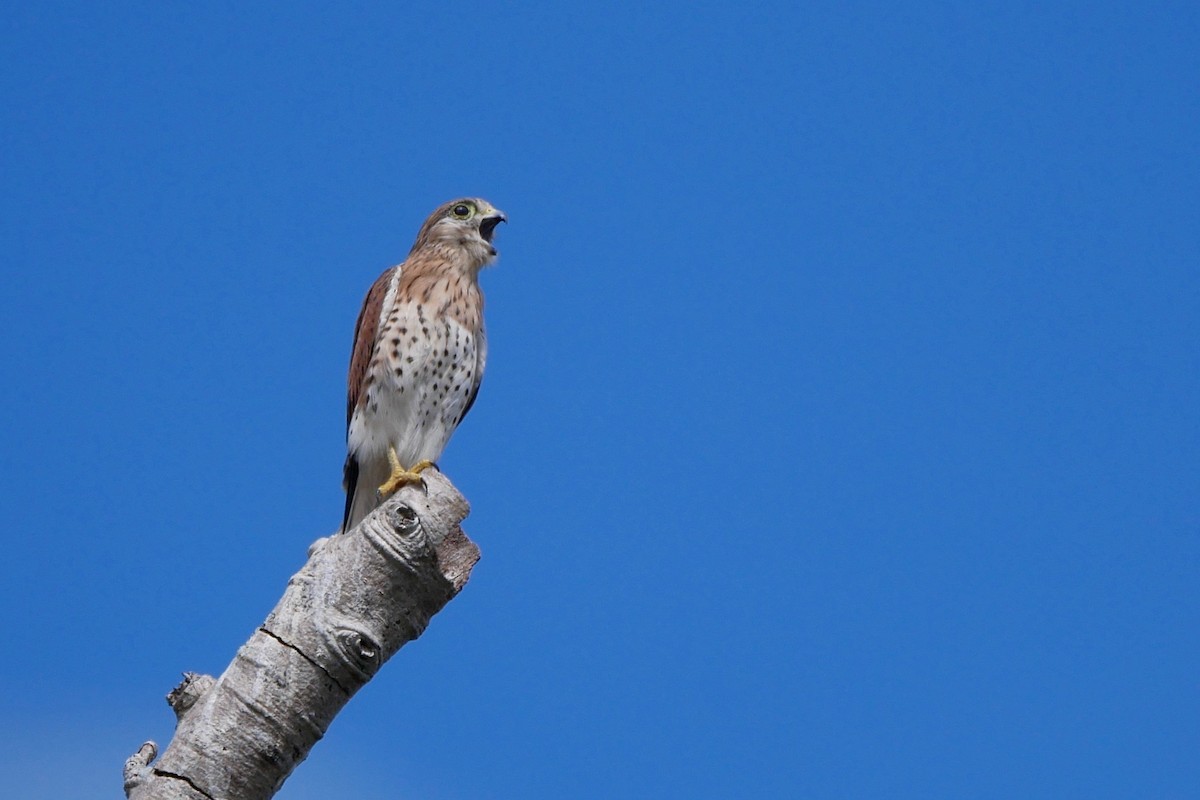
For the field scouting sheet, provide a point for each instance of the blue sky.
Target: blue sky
(839, 437)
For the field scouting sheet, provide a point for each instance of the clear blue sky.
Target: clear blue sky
(840, 436)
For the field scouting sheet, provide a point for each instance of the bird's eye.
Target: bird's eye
(461, 211)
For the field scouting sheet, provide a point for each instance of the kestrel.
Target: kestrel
(418, 357)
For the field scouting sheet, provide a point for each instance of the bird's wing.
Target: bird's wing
(365, 331)
(480, 362)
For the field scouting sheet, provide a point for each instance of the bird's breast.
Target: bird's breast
(423, 371)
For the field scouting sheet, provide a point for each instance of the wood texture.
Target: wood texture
(360, 597)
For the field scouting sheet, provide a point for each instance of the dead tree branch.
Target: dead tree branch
(361, 597)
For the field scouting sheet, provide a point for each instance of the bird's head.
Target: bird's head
(468, 224)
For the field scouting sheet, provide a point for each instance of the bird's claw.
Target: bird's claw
(402, 476)
(396, 481)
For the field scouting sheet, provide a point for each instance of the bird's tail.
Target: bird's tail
(361, 481)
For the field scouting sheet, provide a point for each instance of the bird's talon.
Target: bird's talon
(401, 476)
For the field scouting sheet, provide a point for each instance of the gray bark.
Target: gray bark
(361, 597)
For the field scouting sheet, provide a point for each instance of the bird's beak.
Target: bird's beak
(487, 225)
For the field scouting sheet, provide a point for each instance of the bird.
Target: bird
(418, 355)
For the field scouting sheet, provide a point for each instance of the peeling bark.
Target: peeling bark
(360, 598)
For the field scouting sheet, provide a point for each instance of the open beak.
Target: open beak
(487, 225)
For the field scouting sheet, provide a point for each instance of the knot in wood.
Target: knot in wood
(360, 650)
(404, 520)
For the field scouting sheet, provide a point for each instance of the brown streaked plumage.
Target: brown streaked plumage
(418, 356)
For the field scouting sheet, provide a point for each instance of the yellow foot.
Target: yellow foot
(401, 476)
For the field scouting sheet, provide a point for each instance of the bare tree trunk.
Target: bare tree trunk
(361, 597)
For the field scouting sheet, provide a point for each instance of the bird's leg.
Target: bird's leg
(401, 475)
